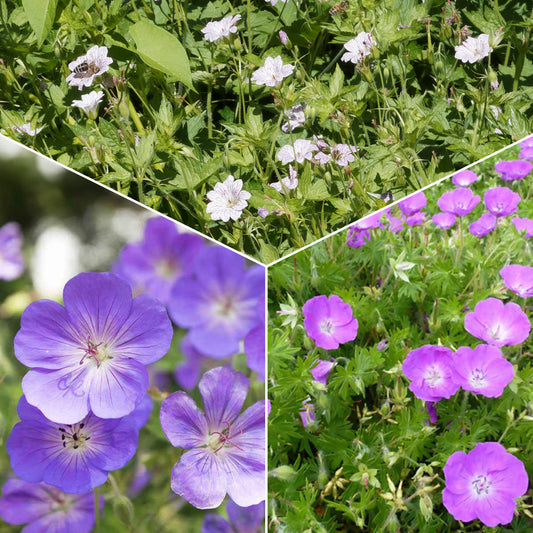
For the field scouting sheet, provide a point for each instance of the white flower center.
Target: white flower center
(481, 485)
(327, 326)
(478, 378)
(433, 376)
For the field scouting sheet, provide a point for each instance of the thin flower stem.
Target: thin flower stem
(96, 511)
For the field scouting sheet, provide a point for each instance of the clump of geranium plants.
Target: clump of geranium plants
(107, 435)
(266, 124)
(400, 369)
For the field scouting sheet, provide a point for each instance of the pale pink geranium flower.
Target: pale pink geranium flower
(220, 29)
(227, 200)
(290, 182)
(302, 150)
(473, 49)
(89, 103)
(272, 73)
(85, 68)
(27, 129)
(359, 48)
(274, 2)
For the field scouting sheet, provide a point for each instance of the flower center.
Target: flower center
(481, 484)
(165, 268)
(327, 326)
(96, 351)
(433, 376)
(73, 436)
(220, 439)
(495, 332)
(478, 378)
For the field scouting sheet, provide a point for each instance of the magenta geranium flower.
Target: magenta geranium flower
(484, 484)
(164, 255)
(240, 519)
(46, 509)
(415, 220)
(464, 178)
(395, 223)
(12, 262)
(501, 201)
(497, 323)
(329, 321)
(370, 222)
(91, 354)
(482, 370)
(321, 371)
(513, 170)
(523, 225)
(429, 368)
(459, 202)
(484, 225)
(218, 302)
(444, 220)
(357, 237)
(413, 204)
(526, 153)
(225, 451)
(518, 279)
(72, 457)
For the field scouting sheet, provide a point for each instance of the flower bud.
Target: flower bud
(493, 78)
(123, 510)
(284, 472)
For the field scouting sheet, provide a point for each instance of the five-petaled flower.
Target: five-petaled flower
(218, 302)
(329, 321)
(85, 69)
(227, 200)
(429, 368)
(497, 323)
(226, 452)
(272, 73)
(89, 103)
(73, 457)
(221, 29)
(484, 484)
(482, 370)
(45, 508)
(473, 49)
(358, 48)
(159, 260)
(91, 354)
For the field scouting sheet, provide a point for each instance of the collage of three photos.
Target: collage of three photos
(266, 265)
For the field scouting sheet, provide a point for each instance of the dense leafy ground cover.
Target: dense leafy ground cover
(420, 90)
(66, 225)
(352, 447)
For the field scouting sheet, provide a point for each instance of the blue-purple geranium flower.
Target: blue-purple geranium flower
(46, 509)
(226, 452)
(72, 457)
(91, 354)
(11, 259)
(218, 302)
(240, 519)
(154, 264)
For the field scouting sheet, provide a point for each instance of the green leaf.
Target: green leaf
(41, 15)
(161, 50)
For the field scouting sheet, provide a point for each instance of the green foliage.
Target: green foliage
(413, 110)
(372, 461)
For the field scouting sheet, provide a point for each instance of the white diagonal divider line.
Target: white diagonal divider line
(397, 201)
(136, 202)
